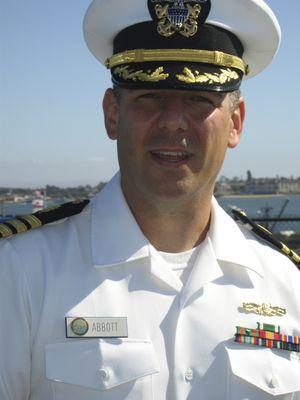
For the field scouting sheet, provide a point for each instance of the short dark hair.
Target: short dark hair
(234, 98)
(117, 92)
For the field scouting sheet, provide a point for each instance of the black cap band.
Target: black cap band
(209, 60)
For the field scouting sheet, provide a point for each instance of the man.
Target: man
(138, 296)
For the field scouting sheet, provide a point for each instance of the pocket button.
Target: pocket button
(273, 382)
(103, 374)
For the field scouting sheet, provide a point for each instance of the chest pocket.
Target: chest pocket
(261, 374)
(119, 368)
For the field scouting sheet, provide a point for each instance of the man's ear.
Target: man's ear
(237, 117)
(111, 113)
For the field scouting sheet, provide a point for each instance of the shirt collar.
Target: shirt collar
(115, 236)
(229, 242)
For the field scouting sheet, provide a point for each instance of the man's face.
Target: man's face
(171, 143)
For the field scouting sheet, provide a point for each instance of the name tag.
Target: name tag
(96, 327)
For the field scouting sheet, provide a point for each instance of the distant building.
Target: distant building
(18, 199)
(222, 188)
(289, 186)
(265, 186)
(261, 186)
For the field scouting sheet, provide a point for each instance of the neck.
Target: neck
(172, 226)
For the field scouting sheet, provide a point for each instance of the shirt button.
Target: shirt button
(273, 382)
(189, 375)
(103, 374)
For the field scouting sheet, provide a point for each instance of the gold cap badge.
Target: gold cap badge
(182, 16)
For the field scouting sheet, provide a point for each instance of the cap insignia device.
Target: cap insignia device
(25, 223)
(181, 16)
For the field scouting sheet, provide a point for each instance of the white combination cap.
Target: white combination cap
(191, 44)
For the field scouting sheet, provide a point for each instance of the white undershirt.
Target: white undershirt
(181, 263)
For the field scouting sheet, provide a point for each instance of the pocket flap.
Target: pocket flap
(100, 364)
(276, 372)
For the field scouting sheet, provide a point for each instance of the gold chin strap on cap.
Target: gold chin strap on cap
(217, 58)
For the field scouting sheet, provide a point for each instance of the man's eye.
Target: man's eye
(150, 96)
(200, 99)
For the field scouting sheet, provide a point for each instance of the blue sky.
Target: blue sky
(51, 88)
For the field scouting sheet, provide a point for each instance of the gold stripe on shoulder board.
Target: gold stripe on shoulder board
(32, 220)
(5, 231)
(295, 257)
(291, 253)
(18, 225)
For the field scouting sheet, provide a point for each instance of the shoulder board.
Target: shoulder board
(31, 221)
(266, 235)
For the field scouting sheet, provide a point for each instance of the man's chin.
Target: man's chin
(171, 190)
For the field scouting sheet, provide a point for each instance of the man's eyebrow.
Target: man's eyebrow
(219, 95)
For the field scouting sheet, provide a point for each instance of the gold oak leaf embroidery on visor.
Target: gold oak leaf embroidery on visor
(167, 28)
(145, 76)
(226, 75)
(264, 309)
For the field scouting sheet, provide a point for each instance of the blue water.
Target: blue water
(19, 208)
(253, 206)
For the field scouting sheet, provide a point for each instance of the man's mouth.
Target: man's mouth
(171, 156)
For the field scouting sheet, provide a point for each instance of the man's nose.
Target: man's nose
(173, 115)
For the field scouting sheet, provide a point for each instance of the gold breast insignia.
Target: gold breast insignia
(264, 309)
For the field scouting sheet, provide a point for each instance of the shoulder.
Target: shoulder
(39, 241)
(263, 237)
(280, 270)
(52, 237)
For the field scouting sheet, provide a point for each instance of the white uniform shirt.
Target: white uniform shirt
(180, 338)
